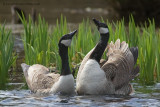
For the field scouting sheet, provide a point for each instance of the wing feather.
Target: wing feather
(120, 65)
(38, 77)
(44, 81)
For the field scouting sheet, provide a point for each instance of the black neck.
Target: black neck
(63, 52)
(100, 47)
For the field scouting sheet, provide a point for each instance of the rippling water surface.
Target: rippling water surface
(143, 96)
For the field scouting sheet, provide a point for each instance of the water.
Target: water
(143, 96)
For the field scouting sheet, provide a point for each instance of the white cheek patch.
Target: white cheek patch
(66, 42)
(103, 30)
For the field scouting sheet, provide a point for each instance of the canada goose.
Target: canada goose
(15, 18)
(15, 10)
(41, 81)
(114, 75)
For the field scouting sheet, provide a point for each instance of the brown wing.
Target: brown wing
(102, 62)
(120, 65)
(39, 77)
(125, 90)
(44, 81)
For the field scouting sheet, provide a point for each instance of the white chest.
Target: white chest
(92, 79)
(64, 85)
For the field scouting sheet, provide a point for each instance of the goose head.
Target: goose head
(63, 44)
(101, 45)
(102, 27)
(66, 39)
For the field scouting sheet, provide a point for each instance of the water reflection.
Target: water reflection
(20, 97)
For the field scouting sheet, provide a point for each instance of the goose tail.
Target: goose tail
(25, 68)
(134, 51)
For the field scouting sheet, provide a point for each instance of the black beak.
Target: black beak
(97, 23)
(72, 34)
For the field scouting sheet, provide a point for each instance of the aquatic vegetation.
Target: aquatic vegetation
(41, 47)
(146, 38)
(7, 58)
(57, 32)
(36, 41)
(149, 50)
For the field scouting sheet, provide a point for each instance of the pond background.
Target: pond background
(74, 10)
(77, 10)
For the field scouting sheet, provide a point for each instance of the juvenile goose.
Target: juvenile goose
(40, 80)
(113, 76)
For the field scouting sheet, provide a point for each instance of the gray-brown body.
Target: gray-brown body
(119, 70)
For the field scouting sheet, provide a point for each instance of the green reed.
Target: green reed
(36, 41)
(149, 50)
(146, 38)
(58, 30)
(7, 58)
(41, 45)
